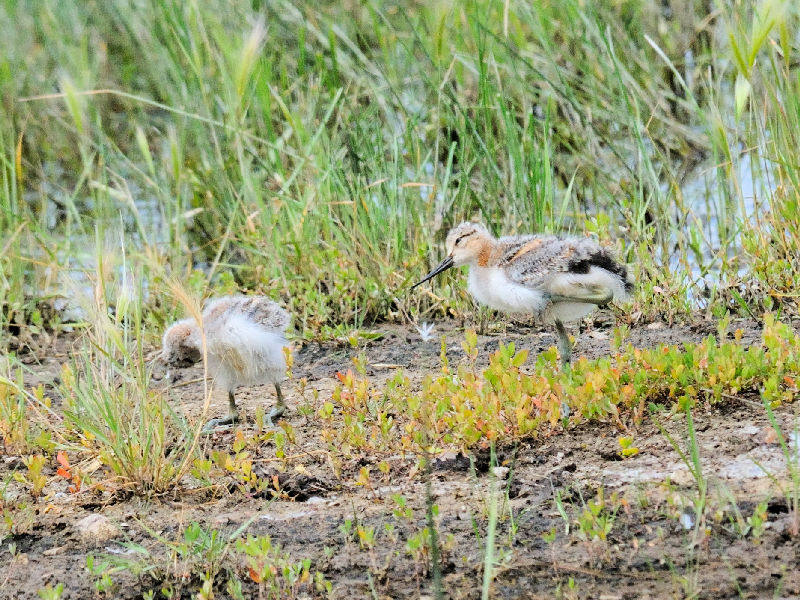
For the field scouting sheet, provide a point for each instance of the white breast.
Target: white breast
(490, 286)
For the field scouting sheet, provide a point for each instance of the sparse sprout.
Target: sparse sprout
(627, 449)
(49, 592)
(597, 517)
(757, 522)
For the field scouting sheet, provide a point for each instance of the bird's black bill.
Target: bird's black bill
(443, 266)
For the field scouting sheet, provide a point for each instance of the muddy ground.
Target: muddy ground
(652, 549)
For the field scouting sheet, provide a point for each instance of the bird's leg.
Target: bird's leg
(597, 296)
(600, 298)
(564, 347)
(233, 416)
(278, 409)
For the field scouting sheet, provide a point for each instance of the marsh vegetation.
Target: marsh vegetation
(154, 154)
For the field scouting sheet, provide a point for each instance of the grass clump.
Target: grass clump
(134, 432)
(14, 423)
(111, 410)
(206, 562)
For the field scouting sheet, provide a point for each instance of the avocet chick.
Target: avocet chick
(244, 343)
(559, 279)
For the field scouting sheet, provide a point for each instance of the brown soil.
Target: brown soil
(649, 553)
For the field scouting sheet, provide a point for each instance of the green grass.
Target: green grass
(319, 154)
(198, 558)
(110, 408)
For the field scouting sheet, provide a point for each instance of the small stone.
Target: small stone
(769, 436)
(750, 430)
(221, 520)
(62, 498)
(20, 559)
(96, 528)
(681, 476)
(500, 472)
(655, 325)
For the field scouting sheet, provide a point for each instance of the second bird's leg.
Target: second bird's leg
(233, 415)
(564, 347)
(278, 409)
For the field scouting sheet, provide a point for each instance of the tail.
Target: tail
(603, 269)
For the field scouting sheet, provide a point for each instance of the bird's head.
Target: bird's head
(464, 245)
(181, 346)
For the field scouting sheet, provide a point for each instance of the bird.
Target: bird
(559, 279)
(244, 338)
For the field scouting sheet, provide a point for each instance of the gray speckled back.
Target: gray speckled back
(533, 259)
(258, 309)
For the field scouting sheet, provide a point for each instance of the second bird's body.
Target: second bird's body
(244, 339)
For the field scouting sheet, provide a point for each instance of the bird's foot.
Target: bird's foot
(275, 413)
(214, 423)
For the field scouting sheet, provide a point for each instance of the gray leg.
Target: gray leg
(278, 409)
(600, 298)
(233, 416)
(564, 347)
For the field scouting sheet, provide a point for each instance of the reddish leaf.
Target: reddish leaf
(254, 575)
(61, 457)
(64, 473)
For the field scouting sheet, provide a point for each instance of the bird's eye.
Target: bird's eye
(458, 241)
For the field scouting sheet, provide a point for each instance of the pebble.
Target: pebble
(500, 472)
(316, 500)
(96, 528)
